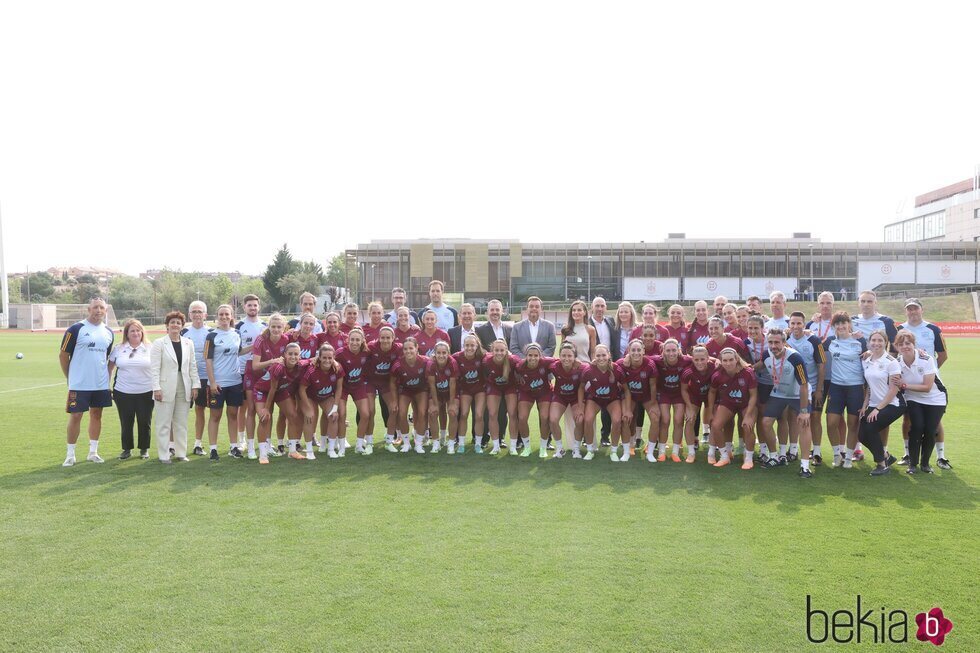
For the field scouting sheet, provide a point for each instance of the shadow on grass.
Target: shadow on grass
(778, 488)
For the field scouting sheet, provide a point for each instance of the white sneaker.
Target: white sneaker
(451, 448)
(848, 463)
(576, 453)
(310, 455)
(419, 449)
(69, 461)
(343, 449)
(559, 453)
(435, 446)
(651, 456)
(332, 454)
(837, 460)
(626, 455)
(94, 458)
(406, 445)
(323, 447)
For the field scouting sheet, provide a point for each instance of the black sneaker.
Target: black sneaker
(551, 445)
(198, 451)
(145, 454)
(639, 444)
(316, 442)
(604, 442)
(769, 463)
(485, 441)
(805, 473)
(912, 470)
(172, 452)
(782, 461)
(890, 460)
(816, 459)
(926, 469)
(943, 463)
(235, 452)
(792, 457)
(214, 455)
(281, 449)
(904, 461)
(880, 471)
(125, 454)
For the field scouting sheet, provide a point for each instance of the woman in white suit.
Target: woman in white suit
(175, 385)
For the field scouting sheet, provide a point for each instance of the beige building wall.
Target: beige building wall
(477, 268)
(516, 266)
(421, 260)
(962, 223)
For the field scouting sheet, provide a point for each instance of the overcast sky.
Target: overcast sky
(202, 135)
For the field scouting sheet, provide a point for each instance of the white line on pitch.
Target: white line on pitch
(37, 387)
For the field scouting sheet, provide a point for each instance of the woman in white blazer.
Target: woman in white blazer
(175, 385)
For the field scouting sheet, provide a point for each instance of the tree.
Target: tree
(131, 294)
(338, 275)
(13, 290)
(281, 265)
(86, 291)
(87, 278)
(222, 289)
(41, 286)
(289, 286)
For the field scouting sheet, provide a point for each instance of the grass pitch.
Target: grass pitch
(451, 553)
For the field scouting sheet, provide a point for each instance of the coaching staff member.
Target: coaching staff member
(84, 359)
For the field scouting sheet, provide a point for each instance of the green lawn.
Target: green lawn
(461, 553)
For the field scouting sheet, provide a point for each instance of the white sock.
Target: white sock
(369, 439)
(309, 446)
(676, 450)
(728, 449)
(691, 449)
(590, 447)
(662, 448)
(782, 450)
(706, 430)
(849, 453)
(906, 447)
(443, 433)
(805, 463)
(725, 455)
(712, 449)
(292, 445)
(461, 440)
(263, 449)
(940, 450)
(837, 449)
(93, 446)
(332, 444)
(71, 450)
(197, 443)
(360, 444)
(763, 449)
(577, 444)
(214, 447)
(251, 445)
(816, 450)
(749, 452)
(419, 439)
(241, 436)
(794, 449)
(651, 447)
(281, 442)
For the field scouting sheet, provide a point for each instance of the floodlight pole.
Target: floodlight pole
(4, 291)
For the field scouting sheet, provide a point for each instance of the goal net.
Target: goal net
(53, 317)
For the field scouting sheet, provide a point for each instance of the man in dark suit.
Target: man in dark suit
(604, 328)
(467, 313)
(493, 329)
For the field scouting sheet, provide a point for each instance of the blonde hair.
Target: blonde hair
(275, 317)
(129, 324)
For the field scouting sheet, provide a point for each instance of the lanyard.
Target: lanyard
(757, 353)
(821, 332)
(776, 376)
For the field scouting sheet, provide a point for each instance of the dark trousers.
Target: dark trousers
(923, 426)
(501, 420)
(869, 433)
(138, 407)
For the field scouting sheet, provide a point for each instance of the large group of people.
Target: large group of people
(618, 380)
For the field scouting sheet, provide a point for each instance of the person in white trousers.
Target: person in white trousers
(175, 385)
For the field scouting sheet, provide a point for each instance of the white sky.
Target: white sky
(201, 135)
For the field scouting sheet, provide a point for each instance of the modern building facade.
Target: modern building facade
(677, 268)
(951, 213)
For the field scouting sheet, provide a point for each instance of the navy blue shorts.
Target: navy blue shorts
(79, 401)
(202, 395)
(776, 405)
(840, 397)
(233, 395)
(764, 392)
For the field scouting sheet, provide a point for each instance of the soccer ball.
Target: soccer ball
(19, 355)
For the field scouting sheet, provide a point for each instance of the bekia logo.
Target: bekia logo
(881, 626)
(652, 287)
(886, 268)
(946, 271)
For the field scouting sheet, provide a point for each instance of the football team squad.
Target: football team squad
(616, 380)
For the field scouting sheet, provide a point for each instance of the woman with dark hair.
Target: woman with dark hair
(579, 332)
(175, 381)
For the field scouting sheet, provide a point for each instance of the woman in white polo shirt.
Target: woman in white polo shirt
(926, 398)
(133, 388)
(882, 403)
